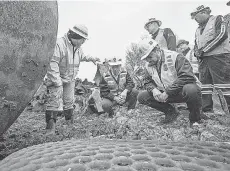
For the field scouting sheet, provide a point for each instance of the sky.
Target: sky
(114, 24)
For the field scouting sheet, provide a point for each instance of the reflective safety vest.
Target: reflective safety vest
(209, 34)
(193, 60)
(64, 64)
(116, 85)
(168, 71)
(161, 39)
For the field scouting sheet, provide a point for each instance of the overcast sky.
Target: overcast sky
(114, 25)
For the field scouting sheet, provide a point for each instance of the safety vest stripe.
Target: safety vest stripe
(217, 39)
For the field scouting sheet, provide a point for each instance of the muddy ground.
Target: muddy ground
(141, 123)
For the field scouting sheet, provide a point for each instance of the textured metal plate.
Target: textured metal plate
(27, 39)
(120, 155)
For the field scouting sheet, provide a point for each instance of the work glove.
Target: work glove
(123, 95)
(156, 94)
(199, 53)
(163, 97)
(119, 100)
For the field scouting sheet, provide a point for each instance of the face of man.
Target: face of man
(182, 47)
(115, 69)
(153, 58)
(77, 42)
(152, 27)
(201, 17)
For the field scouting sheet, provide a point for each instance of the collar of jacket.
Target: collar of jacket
(155, 34)
(162, 60)
(186, 51)
(202, 25)
(68, 42)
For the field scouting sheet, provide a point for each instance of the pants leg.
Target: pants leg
(54, 98)
(68, 95)
(219, 67)
(107, 106)
(147, 98)
(191, 94)
(132, 99)
(205, 78)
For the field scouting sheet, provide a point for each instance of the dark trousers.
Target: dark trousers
(214, 70)
(131, 100)
(191, 94)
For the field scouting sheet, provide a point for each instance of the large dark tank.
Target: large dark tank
(28, 33)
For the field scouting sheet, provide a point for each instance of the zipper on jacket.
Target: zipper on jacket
(159, 73)
(73, 61)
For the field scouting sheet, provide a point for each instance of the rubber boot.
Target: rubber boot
(69, 116)
(171, 115)
(51, 117)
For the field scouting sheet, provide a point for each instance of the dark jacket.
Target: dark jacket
(185, 76)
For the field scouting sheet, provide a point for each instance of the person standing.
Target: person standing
(212, 49)
(164, 37)
(183, 47)
(62, 73)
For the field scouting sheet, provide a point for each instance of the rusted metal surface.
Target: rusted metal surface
(27, 39)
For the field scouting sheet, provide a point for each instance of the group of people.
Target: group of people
(173, 71)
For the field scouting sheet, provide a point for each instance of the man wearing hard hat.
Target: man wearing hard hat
(164, 37)
(61, 74)
(117, 87)
(213, 50)
(169, 79)
(183, 47)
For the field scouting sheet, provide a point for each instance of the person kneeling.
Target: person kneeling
(169, 79)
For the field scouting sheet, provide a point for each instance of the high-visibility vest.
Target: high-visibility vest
(208, 34)
(116, 85)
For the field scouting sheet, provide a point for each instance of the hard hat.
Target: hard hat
(80, 30)
(115, 61)
(151, 20)
(146, 46)
(199, 9)
(182, 41)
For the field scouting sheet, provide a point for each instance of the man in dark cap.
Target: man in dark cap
(213, 50)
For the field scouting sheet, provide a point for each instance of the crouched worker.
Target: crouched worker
(169, 79)
(116, 88)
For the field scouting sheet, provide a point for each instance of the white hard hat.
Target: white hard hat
(115, 61)
(146, 46)
(80, 30)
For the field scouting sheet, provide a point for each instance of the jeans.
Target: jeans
(214, 70)
(190, 93)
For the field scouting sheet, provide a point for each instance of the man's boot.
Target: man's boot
(69, 116)
(171, 114)
(50, 122)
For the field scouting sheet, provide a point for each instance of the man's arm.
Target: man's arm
(170, 39)
(105, 91)
(148, 82)
(53, 73)
(184, 75)
(87, 58)
(129, 84)
(221, 34)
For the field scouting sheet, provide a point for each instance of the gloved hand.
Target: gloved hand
(163, 97)
(123, 95)
(119, 100)
(199, 53)
(156, 94)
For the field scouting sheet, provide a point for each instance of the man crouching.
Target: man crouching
(169, 79)
(116, 87)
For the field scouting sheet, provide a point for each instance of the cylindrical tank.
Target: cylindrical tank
(28, 34)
